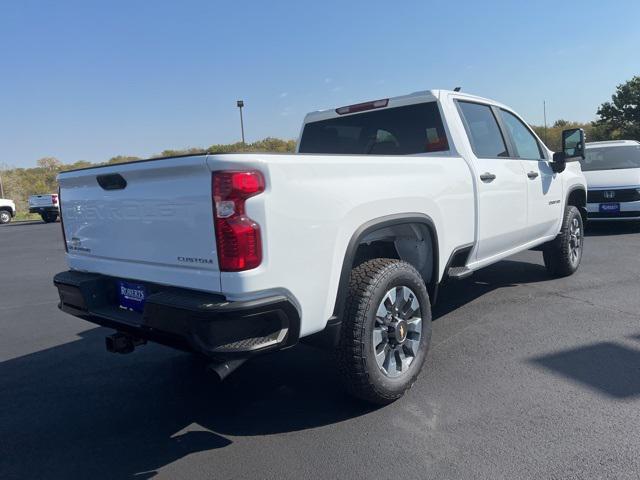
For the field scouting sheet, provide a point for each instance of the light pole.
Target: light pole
(544, 109)
(240, 104)
(1, 188)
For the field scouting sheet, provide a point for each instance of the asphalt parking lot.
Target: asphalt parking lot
(527, 378)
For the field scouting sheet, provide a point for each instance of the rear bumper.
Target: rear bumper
(43, 209)
(185, 319)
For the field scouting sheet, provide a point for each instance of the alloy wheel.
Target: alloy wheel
(397, 331)
(575, 241)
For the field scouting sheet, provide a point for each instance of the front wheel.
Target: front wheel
(386, 330)
(5, 216)
(562, 255)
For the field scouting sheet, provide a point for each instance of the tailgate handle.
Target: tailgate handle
(111, 181)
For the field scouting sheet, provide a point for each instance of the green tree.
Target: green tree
(620, 117)
(175, 153)
(552, 136)
(268, 144)
(75, 165)
(122, 159)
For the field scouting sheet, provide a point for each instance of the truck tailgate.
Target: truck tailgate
(40, 201)
(149, 221)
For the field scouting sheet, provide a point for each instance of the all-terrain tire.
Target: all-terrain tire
(369, 285)
(563, 254)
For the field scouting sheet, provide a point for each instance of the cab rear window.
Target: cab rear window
(405, 130)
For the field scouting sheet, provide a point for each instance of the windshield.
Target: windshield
(611, 158)
(393, 131)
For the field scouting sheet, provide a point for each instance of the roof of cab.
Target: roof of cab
(611, 143)
(415, 97)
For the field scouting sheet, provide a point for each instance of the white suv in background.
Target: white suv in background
(612, 170)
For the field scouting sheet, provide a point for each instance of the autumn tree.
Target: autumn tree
(49, 163)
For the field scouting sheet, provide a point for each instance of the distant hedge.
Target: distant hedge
(19, 183)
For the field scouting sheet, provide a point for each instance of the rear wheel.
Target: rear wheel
(386, 330)
(562, 255)
(49, 217)
(5, 216)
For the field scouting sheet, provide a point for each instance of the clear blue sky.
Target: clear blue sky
(88, 80)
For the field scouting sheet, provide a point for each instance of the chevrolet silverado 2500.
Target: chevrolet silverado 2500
(46, 206)
(343, 243)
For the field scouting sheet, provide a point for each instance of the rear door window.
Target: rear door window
(391, 131)
(483, 131)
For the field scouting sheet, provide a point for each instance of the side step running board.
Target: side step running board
(458, 273)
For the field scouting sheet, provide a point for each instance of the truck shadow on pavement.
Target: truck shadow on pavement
(506, 273)
(75, 411)
(606, 367)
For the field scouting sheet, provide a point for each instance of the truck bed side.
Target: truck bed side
(314, 203)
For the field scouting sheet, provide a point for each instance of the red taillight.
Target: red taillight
(361, 107)
(237, 236)
(54, 199)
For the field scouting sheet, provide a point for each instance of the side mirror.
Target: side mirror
(559, 162)
(572, 147)
(573, 143)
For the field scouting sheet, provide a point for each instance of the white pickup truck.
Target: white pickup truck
(46, 206)
(343, 243)
(7, 210)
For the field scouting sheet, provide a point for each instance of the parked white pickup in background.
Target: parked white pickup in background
(7, 210)
(47, 206)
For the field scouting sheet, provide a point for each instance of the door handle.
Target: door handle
(487, 177)
(532, 175)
